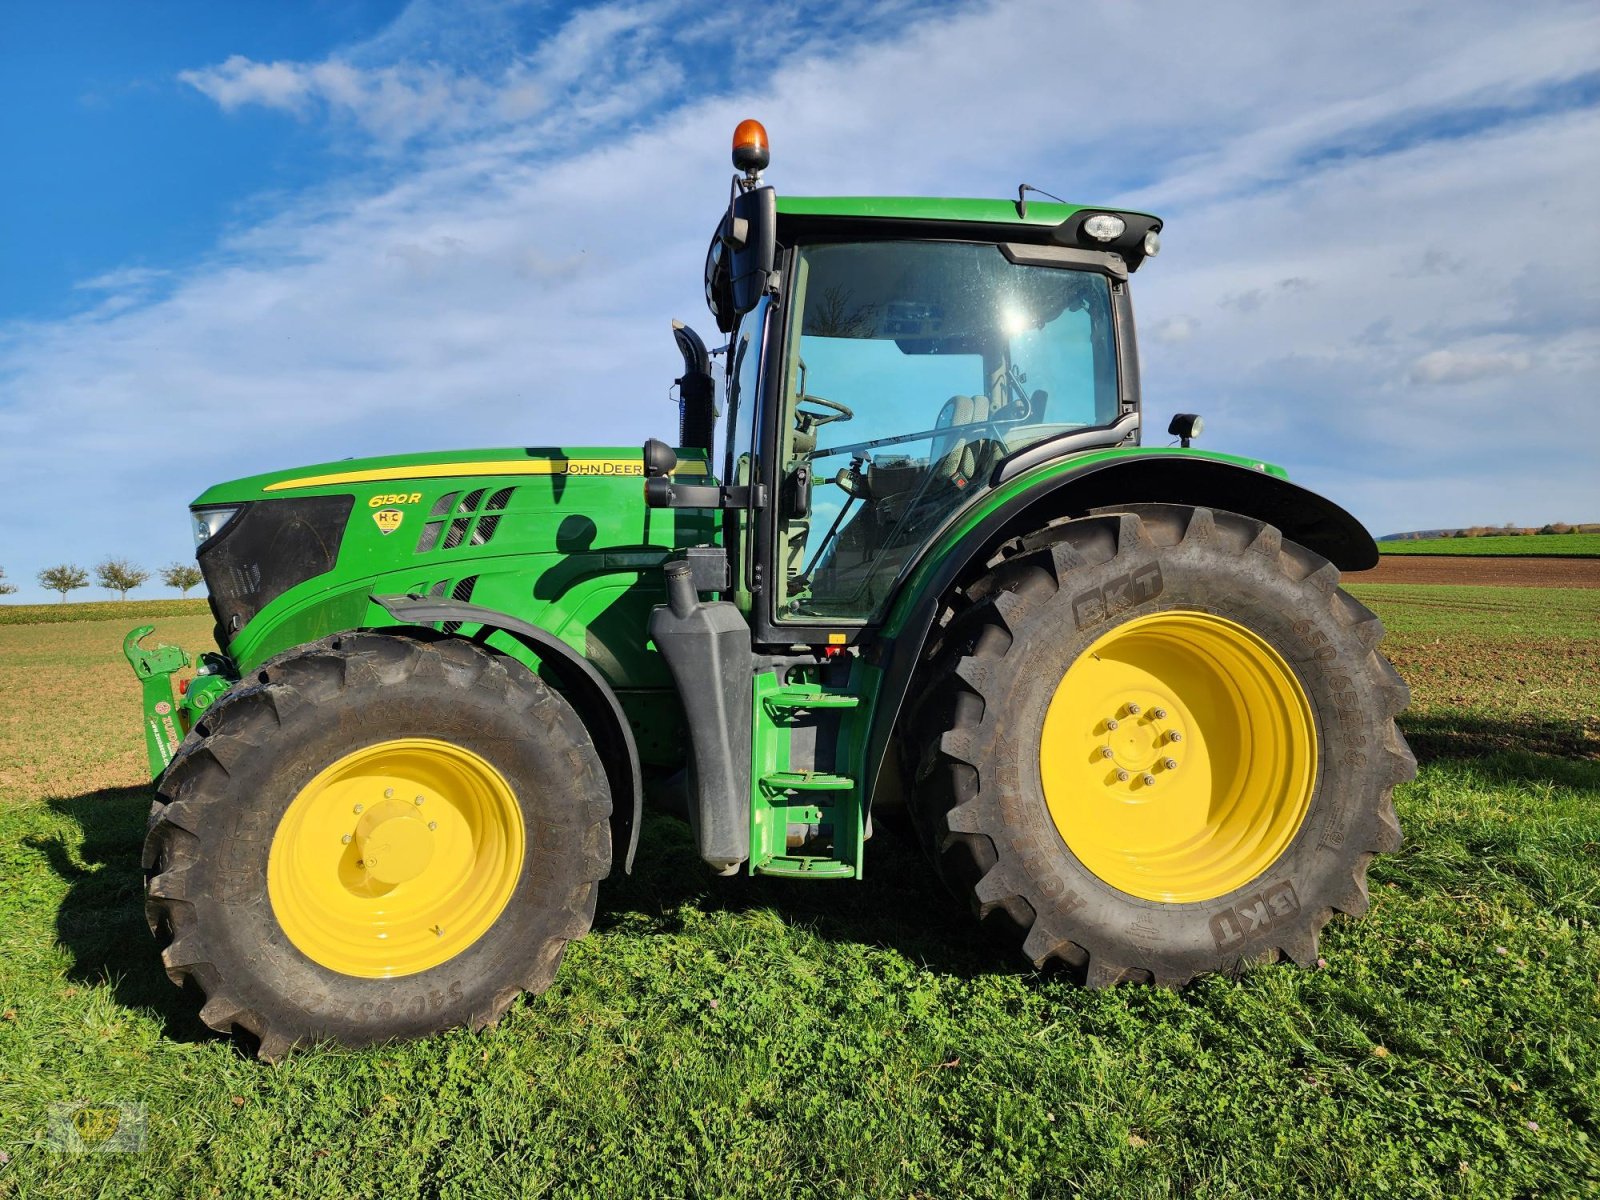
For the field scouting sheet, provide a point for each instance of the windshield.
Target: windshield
(914, 367)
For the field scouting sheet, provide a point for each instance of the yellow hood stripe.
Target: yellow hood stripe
(615, 467)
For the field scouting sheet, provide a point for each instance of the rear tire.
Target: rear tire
(285, 935)
(1108, 881)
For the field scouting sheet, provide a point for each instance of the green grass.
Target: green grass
(132, 611)
(768, 1038)
(1541, 545)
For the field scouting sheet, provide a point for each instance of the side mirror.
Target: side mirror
(750, 235)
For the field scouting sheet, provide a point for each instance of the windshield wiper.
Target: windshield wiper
(919, 436)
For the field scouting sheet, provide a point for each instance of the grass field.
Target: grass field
(763, 1038)
(1539, 545)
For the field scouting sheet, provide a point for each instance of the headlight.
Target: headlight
(208, 522)
(1152, 244)
(1103, 227)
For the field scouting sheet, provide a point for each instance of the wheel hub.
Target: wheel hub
(1138, 747)
(394, 843)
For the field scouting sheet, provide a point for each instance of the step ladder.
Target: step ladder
(806, 810)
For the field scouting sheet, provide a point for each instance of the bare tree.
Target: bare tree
(64, 578)
(5, 588)
(182, 576)
(119, 575)
(833, 316)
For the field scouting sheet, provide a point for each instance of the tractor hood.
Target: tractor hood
(367, 476)
(291, 554)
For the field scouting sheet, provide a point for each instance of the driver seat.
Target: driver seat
(959, 458)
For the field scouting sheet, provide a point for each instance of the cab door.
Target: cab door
(742, 464)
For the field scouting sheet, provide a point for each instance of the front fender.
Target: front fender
(585, 687)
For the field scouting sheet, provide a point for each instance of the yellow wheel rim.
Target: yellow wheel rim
(395, 858)
(1178, 756)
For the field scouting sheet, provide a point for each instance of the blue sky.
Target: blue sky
(247, 236)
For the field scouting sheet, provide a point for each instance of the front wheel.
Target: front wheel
(376, 837)
(1159, 742)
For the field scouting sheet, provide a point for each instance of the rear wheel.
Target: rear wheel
(1159, 742)
(376, 837)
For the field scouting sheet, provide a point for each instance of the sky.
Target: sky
(258, 235)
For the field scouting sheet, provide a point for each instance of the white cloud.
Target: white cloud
(239, 81)
(507, 276)
(121, 280)
(392, 104)
(1175, 329)
(1465, 366)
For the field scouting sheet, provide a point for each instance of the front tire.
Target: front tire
(1055, 788)
(376, 837)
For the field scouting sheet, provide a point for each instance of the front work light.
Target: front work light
(1152, 244)
(208, 522)
(1103, 227)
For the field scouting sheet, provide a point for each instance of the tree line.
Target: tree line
(1509, 529)
(119, 575)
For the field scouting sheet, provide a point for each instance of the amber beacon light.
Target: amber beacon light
(751, 153)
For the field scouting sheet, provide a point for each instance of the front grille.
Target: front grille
(467, 521)
(270, 547)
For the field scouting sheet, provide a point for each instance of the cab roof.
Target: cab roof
(932, 208)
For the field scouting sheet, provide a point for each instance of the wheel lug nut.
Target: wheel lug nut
(1159, 714)
(1111, 722)
(1133, 710)
(359, 808)
(1106, 752)
(1170, 764)
(388, 793)
(419, 800)
(1122, 777)
(1174, 736)
(1149, 781)
(433, 824)
(345, 839)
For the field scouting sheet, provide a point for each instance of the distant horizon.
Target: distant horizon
(1441, 532)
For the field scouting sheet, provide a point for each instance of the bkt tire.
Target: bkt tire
(1158, 742)
(376, 837)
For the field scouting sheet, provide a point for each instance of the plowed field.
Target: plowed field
(1483, 571)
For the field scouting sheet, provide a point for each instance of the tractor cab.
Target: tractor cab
(890, 361)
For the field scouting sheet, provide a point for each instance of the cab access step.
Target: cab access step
(772, 785)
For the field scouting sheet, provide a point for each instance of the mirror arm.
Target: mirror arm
(660, 492)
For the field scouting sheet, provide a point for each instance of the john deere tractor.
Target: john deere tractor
(910, 554)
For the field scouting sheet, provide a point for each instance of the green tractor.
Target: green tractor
(909, 556)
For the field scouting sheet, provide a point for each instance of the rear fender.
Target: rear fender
(1164, 477)
(583, 686)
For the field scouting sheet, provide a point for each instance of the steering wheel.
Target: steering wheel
(815, 420)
